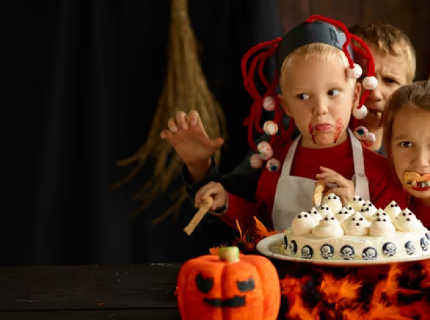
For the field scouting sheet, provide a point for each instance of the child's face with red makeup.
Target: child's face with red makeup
(410, 151)
(319, 96)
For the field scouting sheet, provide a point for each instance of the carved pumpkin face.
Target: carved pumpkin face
(212, 284)
(220, 289)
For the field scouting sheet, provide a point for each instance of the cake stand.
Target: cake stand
(270, 247)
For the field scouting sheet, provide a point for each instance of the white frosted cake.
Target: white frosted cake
(358, 231)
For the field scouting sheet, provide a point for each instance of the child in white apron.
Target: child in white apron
(320, 93)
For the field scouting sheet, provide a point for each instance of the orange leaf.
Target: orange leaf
(425, 283)
(297, 310)
(214, 251)
(354, 314)
(388, 289)
(416, 309)
(293, 286)
(391, 284)
(380, 311)
(343, 290)
(378, 293)
(239, 228)
(244, 244)
(261, 231)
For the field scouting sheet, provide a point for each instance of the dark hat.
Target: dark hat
(307, 33)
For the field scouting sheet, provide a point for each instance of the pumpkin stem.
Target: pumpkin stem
(229, 254)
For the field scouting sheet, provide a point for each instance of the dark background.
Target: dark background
(82, 81)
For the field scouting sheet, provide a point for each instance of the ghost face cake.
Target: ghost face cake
(333, 202)
(358, 231)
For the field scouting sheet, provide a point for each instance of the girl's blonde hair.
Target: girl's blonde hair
(416, 95)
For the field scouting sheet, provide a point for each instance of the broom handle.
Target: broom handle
(203, 209)
(179, 6)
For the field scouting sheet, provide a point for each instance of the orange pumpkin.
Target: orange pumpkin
(229, 286)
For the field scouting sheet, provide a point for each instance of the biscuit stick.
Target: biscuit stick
(317, 197)
(203, 209)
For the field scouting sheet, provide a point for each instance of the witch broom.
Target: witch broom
(184, 89)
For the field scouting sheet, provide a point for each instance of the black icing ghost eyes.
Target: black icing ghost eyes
(362, 210)
(384, 214)
(384, 220)
(379, 219)
(359, 199)
(305, 215)
(329, 198)
(370, 204)
(350, 208)
(326, 219)
(299, 216)
(410, 213)
(361, 219)
(334, 198)
(332, 218)
(353, 219)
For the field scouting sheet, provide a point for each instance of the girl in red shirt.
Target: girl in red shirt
(407, 142)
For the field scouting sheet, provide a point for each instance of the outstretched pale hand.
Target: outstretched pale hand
(188, 137)
(345, 188)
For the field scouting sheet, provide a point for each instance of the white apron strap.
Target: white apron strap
(360, 179)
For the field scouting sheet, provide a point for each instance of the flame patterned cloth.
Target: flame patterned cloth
(393, 292)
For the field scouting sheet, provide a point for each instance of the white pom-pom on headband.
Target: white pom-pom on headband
(370, 83)
(355, 72)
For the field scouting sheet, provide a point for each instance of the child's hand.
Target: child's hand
(188, 137)
(345, 188)
(216, 191)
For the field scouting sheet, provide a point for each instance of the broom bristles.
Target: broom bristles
(184, 89)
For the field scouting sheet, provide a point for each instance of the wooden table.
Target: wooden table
(89, 292)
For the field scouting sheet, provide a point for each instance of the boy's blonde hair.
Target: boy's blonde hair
(416, 95)
(388, 40)
(320, 51)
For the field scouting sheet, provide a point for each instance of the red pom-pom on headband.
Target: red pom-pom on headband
(269, 100)
(315, 29)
